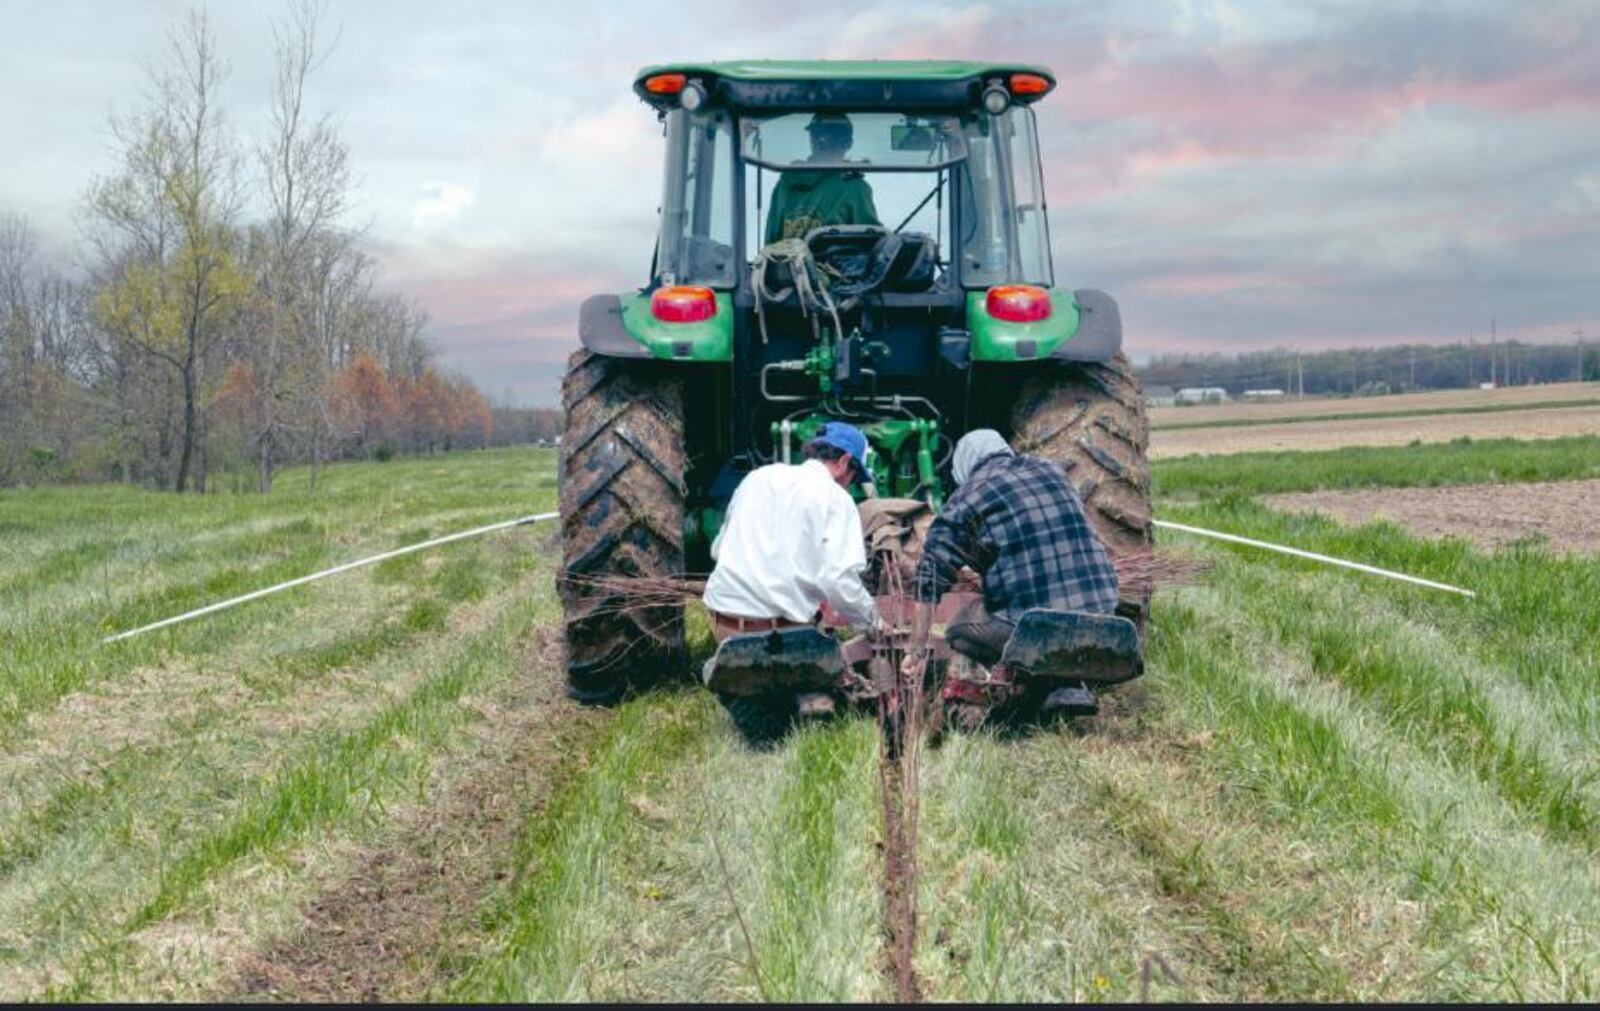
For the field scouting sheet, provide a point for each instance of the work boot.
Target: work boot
(814, 705)
(1071, 700)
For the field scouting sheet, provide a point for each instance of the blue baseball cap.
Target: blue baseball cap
(848, 438)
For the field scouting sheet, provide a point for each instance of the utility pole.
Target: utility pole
(1492, 335)
(1579, 334)
(1300, 374)
(1413, 369)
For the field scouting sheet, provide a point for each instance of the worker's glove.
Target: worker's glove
(914, 662)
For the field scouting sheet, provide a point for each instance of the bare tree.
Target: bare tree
(305, 169)
(168, 225)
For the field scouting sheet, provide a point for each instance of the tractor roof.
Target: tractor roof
(777, 85)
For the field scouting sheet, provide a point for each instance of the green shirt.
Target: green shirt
(809, 198)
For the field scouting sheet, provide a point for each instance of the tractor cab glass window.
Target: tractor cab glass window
(864, 141)
(696, 244)
(1002, 232)
(1027, 194)
(808, 170)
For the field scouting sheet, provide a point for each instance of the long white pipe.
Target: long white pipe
(222, 605)
(1281, 549)
(346, 567)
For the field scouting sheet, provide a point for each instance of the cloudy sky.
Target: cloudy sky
(1239, 174)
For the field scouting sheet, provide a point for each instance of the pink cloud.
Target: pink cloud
(1559, 87)
(1213, 282)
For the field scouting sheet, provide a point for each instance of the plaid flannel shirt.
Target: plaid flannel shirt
(1019, 523)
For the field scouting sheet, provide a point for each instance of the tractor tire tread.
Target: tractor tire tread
(622, 506)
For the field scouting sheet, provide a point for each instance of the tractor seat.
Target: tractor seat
(1097, 649)
(787, 660)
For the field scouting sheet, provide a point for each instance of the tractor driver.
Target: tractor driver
(1019, 523)
(805, 199)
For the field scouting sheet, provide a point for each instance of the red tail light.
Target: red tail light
(683, 304)
(1029, 84)
(665, 84)
(1018, 303)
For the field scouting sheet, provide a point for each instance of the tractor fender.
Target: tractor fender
(1099, 335)
(600, 329)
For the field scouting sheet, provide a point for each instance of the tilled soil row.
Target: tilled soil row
(899, 883)
(1565, 514)
(390, 928)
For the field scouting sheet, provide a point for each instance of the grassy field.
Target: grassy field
(1463, 461)
(1325, 787)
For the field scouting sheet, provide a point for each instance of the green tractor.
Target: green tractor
(863, 241)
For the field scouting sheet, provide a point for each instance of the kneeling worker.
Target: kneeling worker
(791, 541)
(1018, 522)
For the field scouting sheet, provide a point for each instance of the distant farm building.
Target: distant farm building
(1160, 396)
(1201, 395)
(1261, 394)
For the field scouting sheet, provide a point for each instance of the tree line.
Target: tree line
(1367, 371)
(224, 318)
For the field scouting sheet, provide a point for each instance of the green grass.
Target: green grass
(1419, 412)
(1461, 461)
(1326, 787)
(626, 896)
(1330, 789)
(141, 782)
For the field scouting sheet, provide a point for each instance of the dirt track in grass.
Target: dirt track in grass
(1566, 514)
(1540, 423)
(380, 932)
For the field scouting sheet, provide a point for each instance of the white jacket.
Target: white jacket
(791, 540)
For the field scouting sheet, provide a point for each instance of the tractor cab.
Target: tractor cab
(842, 227)
(964, 186)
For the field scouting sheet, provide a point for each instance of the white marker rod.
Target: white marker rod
(346, 567)
(1281, 549)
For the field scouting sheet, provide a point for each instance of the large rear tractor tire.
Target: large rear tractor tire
(622, 505)
(1091, 418)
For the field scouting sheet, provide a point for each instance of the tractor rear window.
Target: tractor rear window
(865, 141)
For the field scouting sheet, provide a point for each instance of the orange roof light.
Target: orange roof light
(1029, 84)
(665, 84)
(681, 303)
(1018, 303)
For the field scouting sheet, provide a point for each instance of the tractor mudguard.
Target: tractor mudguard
(787, 660)
(1099, 335)
(600, 329)
(1100, 649)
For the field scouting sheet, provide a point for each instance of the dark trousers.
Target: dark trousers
(977, 634)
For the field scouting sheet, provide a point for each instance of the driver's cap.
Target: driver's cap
(835, 125)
